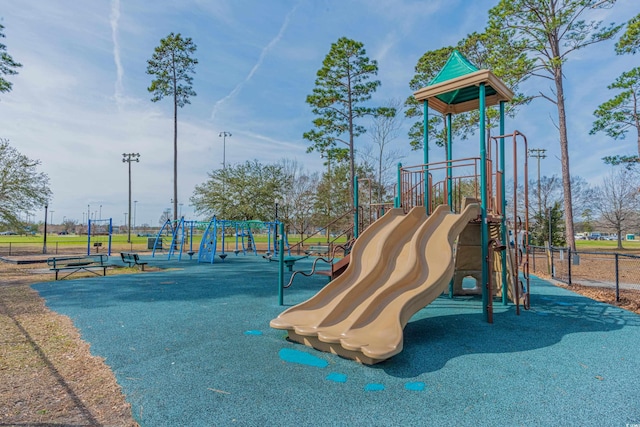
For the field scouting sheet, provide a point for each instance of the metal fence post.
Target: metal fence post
(569, 264)
(533, 252)
(617, 279)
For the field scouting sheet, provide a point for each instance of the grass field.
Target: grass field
(609, 245)
(13, 245)
(56, 243)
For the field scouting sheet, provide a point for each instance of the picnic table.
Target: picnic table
(73, 264)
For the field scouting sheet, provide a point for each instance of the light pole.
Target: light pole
(88, 214)
(100, 216)
(538, 153)
(44, 241)
(125, 218)
(128, 158)
(224, 134)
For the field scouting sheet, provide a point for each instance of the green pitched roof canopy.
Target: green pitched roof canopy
(456, 87)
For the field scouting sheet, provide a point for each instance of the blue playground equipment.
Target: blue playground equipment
(242, 232)
(99, 227)
(272, 244)
(181, 232)
(207, 252)
(216, 231)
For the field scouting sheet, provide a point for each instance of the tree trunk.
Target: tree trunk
(175, 144)
(564, 158)
(638, 121)
(636, 114)
(352, 166)
(175, 160)
(380, 175)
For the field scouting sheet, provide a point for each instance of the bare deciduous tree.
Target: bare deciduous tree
(379, 156)
(617, 201)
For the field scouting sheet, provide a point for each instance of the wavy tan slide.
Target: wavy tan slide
(365, 255)
(399, 265)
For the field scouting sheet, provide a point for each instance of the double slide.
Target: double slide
(400, 264)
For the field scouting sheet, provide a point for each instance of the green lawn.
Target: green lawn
(610, 245)
(75, 240)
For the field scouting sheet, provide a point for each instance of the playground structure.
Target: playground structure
(99, 227)
(215, 236)
(448, 226)
(216, 231)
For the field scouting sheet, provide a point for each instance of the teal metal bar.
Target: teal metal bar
(449, 157)
(503, 223)
(425, 158)
(356, 220)
(281, 266)
(484, 227)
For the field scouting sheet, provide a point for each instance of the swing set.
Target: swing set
(99, 227)
(215, 238)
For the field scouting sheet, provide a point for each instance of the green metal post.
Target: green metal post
(449, 157)
(503, 223)
(425, 156)
(396, 202)
(355, 205)
(484, 227)
(281, 265)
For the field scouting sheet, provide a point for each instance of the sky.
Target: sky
(80, 100)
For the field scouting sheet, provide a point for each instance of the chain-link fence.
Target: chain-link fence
(603, 269)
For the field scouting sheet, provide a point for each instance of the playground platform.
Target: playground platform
(192, 346)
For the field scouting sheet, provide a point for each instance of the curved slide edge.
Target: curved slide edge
(377, 332)
(368, 248)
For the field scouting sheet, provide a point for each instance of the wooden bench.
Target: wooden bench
(77, 263)
(132, 259)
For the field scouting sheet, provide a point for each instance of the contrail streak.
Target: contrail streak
(114, 19)
(257, 65)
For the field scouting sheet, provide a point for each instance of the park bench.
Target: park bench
(132, 259)
(78, 263)
(318, 250)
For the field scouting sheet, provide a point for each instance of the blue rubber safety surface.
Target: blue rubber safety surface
(192, 346)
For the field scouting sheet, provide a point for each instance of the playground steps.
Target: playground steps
(337, 268)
